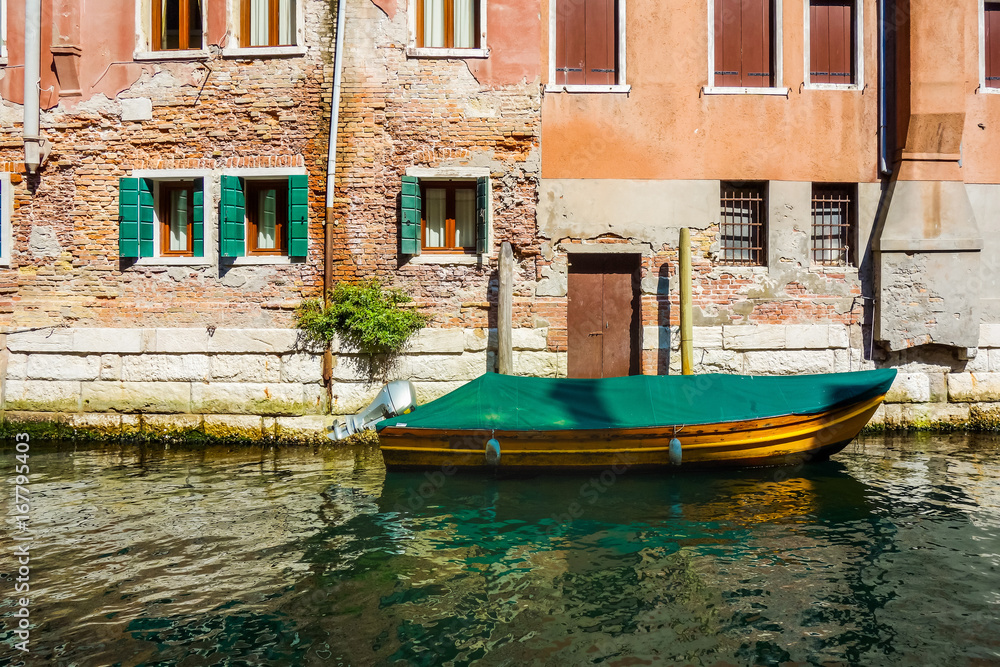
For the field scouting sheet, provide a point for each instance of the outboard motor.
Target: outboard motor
(396, 398)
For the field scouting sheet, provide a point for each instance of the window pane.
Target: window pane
(258, 22)
(433, 23)
(267, 218)
(465, 28)
(286, 23)
(179, 202)
(194, 24)
(170, 20)
(436, 208)
(465, 218)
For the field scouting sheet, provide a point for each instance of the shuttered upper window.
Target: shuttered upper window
(832, 41)
(744, 46)
(177, 25)
(267, 23)
(264, 216)
(991, 43)
(586, 42)
(161, 217)
(444, 216)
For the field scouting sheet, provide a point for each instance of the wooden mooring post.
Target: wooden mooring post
(505, 308)
(687, 329)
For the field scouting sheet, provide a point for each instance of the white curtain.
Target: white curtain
(267, 216)
(433, 23)
(465, 218)
(436, 201)
(286, 23)
(178, 219)
(258, 22)
(465, 27)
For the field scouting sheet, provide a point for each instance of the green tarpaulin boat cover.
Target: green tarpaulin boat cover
(510, 403)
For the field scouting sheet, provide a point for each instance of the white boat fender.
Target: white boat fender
(493, 452)
(675, 452)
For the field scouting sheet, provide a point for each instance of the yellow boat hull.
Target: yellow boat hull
(783, 440)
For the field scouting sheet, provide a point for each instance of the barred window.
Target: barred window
(743, 224)
(833, 224)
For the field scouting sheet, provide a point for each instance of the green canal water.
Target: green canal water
(890, 554)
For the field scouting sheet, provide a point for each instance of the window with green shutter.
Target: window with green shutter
(232, 217)
(264, 216)
(135, 217)
(444, 216)
(410, 201)
(171, 210)
(298, 215)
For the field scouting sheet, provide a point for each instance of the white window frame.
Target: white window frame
(210, 206)
(261, 173)
(144, 36)
(236, 51)
(457, 174)
(3, 32)
(859, 51)
(413, 51)
(983, 88)
(622, 86)
(6, 218)
(776, 38)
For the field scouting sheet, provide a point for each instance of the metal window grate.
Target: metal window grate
(743, 227)
(831, 225)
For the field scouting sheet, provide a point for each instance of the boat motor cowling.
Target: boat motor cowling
(396, 398)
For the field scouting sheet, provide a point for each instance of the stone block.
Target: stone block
(718, 361)
(442, 367)
(476, 340)
(656, 338)
(63, 367)
(353, 368)
(102, 423)
(302, 367)
(42, 395)
(171, 425)
(436, 341)
(989, 335)
(754, 337)
(246, 368)
(706, 338)
(536, 364)
(165, 368)
(807, 337)
(788, 362)
(979, 363)
(111, 367)
(162, 397)
(529, 339)
(180, 341)
(131, 424)
(234, 427)
(44, 340)
(314, 399)
(307, 428)
(973, 387)
(429, 391)
(840, 336)
(242, 341)
(350, 397)
(910, 388)
(17, 367)
(101, 340)
(248, 398)
(994, 360)
(137, 108)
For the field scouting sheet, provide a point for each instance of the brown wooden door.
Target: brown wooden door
(603, 316)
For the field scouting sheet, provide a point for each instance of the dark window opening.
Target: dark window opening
(743, 224)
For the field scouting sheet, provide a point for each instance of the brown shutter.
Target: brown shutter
(992, 44)
(600, 63)
(571, 31)
(756, 38)
(728, 32)
(831, 41)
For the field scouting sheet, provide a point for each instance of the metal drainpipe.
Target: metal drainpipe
(32, 67)
(331, 172)
(885, 167)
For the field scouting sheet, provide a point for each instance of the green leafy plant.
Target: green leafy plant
(365, 316)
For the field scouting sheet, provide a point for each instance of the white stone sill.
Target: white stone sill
(173, 261)
(988, 90)
(847, 87)
(567, 88)
(187, 54)
(264, 52)
(454, 260)
(730, 90)
(422, 52)
(263, 260)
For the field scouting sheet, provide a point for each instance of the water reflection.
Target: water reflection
(298, 556)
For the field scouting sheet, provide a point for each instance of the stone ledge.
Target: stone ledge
(785, 337)
(973, 387)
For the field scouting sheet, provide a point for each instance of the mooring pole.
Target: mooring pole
(687, 330)
(505, 308)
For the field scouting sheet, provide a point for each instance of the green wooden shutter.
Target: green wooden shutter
(232, 216)
(128, 217)
(146, 204)
(482, 214)
(198, 219)
(298, 215)
(409, 228)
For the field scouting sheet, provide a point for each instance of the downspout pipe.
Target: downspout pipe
(885, 165)
(331, 183)
(32, 80)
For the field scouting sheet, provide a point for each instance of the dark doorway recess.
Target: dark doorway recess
(603, 317)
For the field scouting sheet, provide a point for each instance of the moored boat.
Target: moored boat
(502, 422)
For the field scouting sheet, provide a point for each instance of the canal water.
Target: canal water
(889, 554)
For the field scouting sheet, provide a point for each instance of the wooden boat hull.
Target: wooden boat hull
(771, 441)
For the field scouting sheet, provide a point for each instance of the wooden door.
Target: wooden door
(603, 316)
